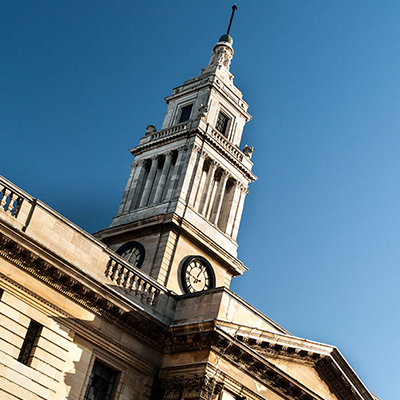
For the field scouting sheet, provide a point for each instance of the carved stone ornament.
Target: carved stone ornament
(134, 164)
(150, 129)
(248, 151)
(221, 56)
(195, 387)
(214, 165)
(183, 149)
(61, 281)
(202, 111)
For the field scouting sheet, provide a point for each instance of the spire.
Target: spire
(223, 51)
(227, 37)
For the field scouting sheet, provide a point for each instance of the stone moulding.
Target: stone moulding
(245, 359)
(170, 135)
(98, 302)
(214, 138)
(245, 354)
(78, 326)
(324, 363)
(242, 352)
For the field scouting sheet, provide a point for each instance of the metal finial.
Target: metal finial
(234, 8)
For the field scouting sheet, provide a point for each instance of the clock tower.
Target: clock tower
(180, 212)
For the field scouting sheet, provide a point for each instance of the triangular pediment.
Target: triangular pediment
(319, 367)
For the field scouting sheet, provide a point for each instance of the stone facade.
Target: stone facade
(127, 314)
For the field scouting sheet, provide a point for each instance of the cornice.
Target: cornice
(78, 326)
(245, 359)
(98, 300)
(342, 380)
(327, 360)
(235, 266)
(207, 374)
(163, 137)
(175, 133)
(213, 81)
(248, 354)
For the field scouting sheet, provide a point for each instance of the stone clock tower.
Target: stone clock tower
(181, 209)
(157, 320)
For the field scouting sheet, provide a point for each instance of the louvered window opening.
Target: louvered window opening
(32, 334)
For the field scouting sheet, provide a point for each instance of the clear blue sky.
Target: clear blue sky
(80, 81)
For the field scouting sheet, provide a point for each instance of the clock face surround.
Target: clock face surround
(197, 275)
(133, 252)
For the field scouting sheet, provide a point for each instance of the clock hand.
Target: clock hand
(195, 279)
(201, 270)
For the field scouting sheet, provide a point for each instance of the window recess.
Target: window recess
(222, 123)
(101, 383)
(185, 113)
(30, 342)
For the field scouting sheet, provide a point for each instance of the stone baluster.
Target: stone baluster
(139, 287)
(116, 272)
(110, 268)
(135, 187)
(163, 177)
(18, 206)
(122, 276)
(149, 182)
(2, 194)
(208, 187)
(194, 189)
(177, 176)
(154, 295)
(220, 195)
(238, 217)
(3, 200)
(128, 280)
(10, 204)
(146, 292)
(135, 283)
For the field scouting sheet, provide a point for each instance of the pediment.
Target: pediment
(319, 367)
(304, 371)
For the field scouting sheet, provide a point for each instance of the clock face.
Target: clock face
(197, 275)
(133, 252)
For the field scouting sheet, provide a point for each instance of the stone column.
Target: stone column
(177, 175)
(208, 187)
(239, 212)
(220, 195)
(149, 182)
(134, 166)
(137, 182)
(201, 156)
(163, 178)
(234, 207)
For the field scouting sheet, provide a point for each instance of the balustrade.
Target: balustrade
(168, 131)
(10, 201)
(232, 149)
(126, 277)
